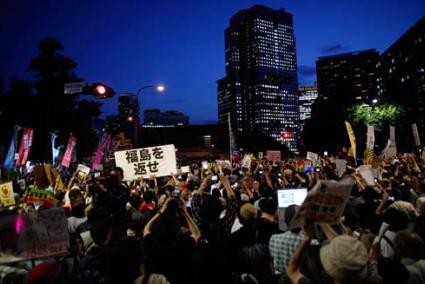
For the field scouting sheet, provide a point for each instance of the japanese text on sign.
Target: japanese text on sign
(159, 161)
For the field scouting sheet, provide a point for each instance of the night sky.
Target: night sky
(128, 44)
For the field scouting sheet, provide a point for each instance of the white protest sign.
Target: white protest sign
(340, 166)
(325, 203)
(416, 135)
(312, 156)
(82, 171)
(246, 162)
(370, 143)
(35, 235)
(159, 161)
(260, 155)
(6, 194)
(366, 173)
(185, 169)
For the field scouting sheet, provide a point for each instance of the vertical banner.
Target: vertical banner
(370, 137)
(9, 161)
(392, 135)
(72, 141)
(352, 139)
(234, 156)
(390, 152)
(100, 149)
(416, 135)
(24, 148)
(55, 152)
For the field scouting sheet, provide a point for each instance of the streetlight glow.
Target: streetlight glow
(160, 88)
(374, 101)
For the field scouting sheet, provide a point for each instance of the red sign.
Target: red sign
(25, 147)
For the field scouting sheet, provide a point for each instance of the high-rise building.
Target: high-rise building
(260, 87)
(113, 124)
(156, 118)
(129, 113)
(307, 96)
(401, 74)
(347, 78)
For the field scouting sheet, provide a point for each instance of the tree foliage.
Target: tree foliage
(41, 104)
(377, 116)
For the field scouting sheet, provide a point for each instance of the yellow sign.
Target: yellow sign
(6, 194)
(352, 138)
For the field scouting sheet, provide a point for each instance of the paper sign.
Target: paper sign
(34, 235)
(312, 156)
(40, 196)
(325, 203)
(246, 161)
(260, 155)
(82, 172)
(416, 135)
(366, 173)
(185, 169)
(370, 143)
(159, 161)
(6, 194)
(273, 156)
(340, 166)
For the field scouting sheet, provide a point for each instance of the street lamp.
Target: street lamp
(159, 88)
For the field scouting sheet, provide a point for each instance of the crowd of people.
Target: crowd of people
(220, 224)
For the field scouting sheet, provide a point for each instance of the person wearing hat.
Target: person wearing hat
(343, 258)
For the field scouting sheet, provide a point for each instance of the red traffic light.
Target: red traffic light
(102, 91)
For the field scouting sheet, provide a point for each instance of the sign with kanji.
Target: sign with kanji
(6, 194)
(33, 235)
(324, 203)
(312, 156)
(158, 161)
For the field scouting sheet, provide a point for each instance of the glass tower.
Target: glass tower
(260, 87)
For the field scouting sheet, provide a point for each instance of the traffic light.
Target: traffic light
(101, 91)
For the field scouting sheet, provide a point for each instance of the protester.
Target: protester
(219, 223)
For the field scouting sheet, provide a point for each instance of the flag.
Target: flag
(103, 142)
(352, 139)
(234, 154)
(416, 135)
(66, 160)
(9, 161)
(55, 152)
(24, 148)
(370, 143)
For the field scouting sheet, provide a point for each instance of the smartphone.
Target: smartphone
(260, 172)
(214, 178)
(96, 175)
(317, 169)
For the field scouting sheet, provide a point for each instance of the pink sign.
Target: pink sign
(68, 152)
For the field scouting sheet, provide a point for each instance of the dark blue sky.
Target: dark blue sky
(128, 44)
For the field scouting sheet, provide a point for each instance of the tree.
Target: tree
(377, 116)
(49, 109)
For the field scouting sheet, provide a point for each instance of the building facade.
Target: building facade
(401, 75)
(259, 90)
(156, 118)
(348, 78)
(307, 96)
(129, 114)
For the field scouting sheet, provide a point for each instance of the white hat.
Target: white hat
(344, 257)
